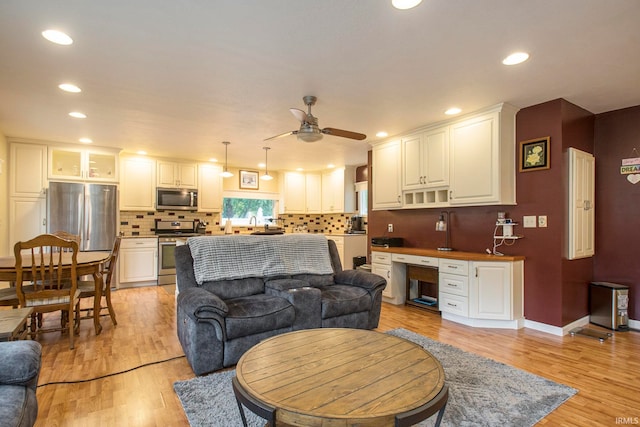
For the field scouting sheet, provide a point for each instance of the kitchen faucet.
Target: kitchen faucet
(253, 218)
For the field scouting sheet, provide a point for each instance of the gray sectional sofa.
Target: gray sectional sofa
(19, 371)
(234, 291)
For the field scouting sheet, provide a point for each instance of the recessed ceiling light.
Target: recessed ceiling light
(299, 169)
(452, 111)
(57, 37)
(405, 4)
(382, 134)
(86, 140)
(515, 58)
(68, 87)
(213, 160)
(142, 153)
(261, 165)
(78, 115)
(331, 166)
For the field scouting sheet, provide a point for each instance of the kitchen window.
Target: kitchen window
(241, 209)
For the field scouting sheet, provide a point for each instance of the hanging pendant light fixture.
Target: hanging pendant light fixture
(266, 176)
(225, 172)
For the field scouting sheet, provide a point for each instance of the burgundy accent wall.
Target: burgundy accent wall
(617, 134)
(556, 290)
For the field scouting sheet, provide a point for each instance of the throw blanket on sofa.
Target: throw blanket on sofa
(242, 256)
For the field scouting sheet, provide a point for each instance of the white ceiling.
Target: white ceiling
(176, 78)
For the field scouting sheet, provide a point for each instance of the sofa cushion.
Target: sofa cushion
(19, 406)
(227, 289)
(257, 313)
(338, 300)
(20, 362)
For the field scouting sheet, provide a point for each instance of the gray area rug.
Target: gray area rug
(482, 392)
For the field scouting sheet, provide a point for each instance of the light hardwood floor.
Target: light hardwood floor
(607, 374)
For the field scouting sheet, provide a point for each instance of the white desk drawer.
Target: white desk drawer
(454, 304)
(415, 259)
(454, 266)
(454, 284)
(381, 258)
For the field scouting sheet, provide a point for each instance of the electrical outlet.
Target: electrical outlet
(390, 228)
(542, 221)
(529, 221)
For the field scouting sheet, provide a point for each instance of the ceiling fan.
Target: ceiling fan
(309, 130)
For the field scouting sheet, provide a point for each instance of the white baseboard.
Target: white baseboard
(556, 330)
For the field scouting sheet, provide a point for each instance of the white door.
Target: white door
(581, 204)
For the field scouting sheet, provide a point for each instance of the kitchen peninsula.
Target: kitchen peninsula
(475, 289)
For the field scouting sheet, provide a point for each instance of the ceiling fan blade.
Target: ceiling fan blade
(344, 133)
(282, 135)
(299, 114)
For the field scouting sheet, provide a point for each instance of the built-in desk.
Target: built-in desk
(475, 289)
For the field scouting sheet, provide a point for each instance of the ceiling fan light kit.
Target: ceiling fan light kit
(309, 130)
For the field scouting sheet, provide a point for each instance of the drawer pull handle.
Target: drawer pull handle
(452, 305)
(453, 267)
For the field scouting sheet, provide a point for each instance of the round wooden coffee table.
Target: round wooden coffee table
(340, 377)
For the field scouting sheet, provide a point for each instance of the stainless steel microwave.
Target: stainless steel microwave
(177, 199)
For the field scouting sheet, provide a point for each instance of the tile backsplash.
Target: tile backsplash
(143, 223)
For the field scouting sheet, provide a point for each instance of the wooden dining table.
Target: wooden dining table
(88, 263)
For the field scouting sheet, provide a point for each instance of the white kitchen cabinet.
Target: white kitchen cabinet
(137, 184)
(386, 175)
(453, 287)
(338, 191)
(496, 290)
(313, 192)
(425, 159)
(138, 261)
(482, 158)
(70, 163)
(209, 188)
(381, 265)
(581, 204)
(349, 246)
(177, 175)
(27, 218)
(27, 192)
(27, 170)
(301, 193)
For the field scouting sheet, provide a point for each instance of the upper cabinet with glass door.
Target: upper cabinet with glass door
(83, 165)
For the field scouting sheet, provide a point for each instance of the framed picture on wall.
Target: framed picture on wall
(249, 180)
(534, 154)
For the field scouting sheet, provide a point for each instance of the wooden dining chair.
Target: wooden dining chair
(88, 288)
(46, 280)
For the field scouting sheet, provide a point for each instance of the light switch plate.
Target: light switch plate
(390, 228)
(529, 221)
(542, 221)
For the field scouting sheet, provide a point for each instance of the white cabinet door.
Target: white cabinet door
(209, 188)
(27, 219)
(436, 157)
(177, 175)
(293, 193)
(384, 271)
(386, 173)
(338, 191)
(27, 170)
(482, 158)
(412, 172)
(490, 294)
(138, 260)
(313, 192)
(581, 204)
(474, 160)
(137, 186)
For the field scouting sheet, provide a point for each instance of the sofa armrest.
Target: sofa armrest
(306, 301)
(361, 278)
(199, 303)
(20, 363)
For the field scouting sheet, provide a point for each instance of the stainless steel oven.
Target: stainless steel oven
(171, 233)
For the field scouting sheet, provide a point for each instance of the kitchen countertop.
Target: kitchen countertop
(467, 256)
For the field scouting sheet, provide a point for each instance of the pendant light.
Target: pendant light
(266, 176)
(225, 172)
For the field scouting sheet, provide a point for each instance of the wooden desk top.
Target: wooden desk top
(465, 256)
(341, 376)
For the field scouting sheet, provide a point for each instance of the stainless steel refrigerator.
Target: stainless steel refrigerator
(87, 210)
